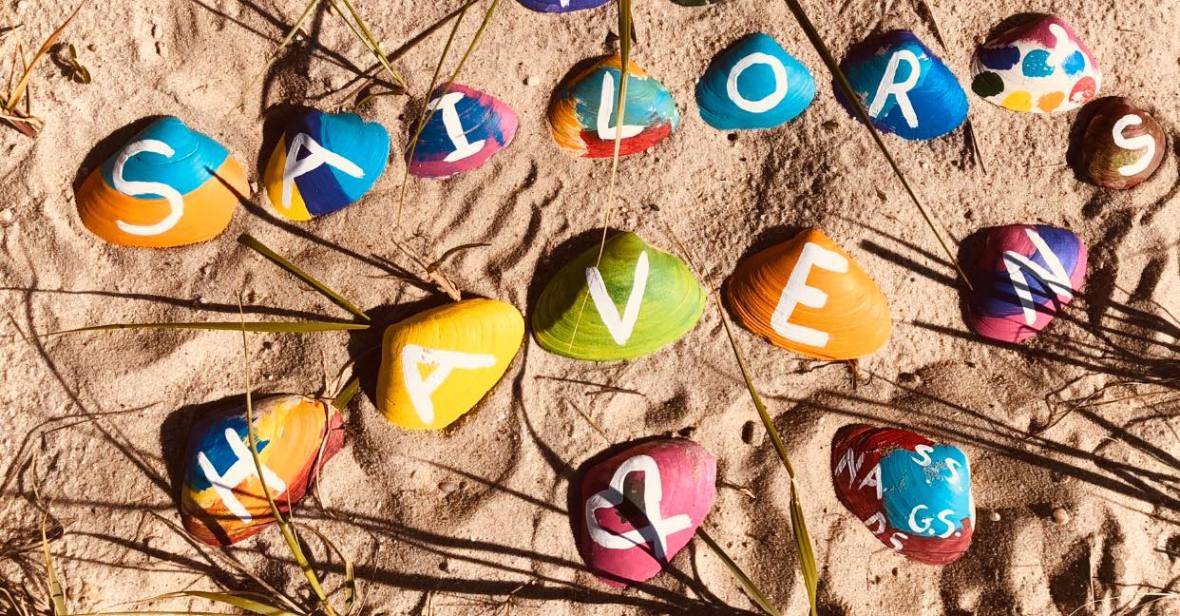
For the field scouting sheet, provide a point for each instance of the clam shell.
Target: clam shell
(466, 129)
(913, 494)
(1038, 65)
(1122, 146)
(561, 6)
(807, 295)
(641, 506)
(169, 186)
(581, 112)
(1024, 275)
(881, 72)
(754, 84)
(636, 301)
(324, 162)
(221, 500)
(438, 364)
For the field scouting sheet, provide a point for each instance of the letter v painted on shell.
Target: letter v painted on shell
(754, 84)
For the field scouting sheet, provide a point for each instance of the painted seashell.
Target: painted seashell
(169, 186)
(466, 129)
(754, 84)
(582, 112)
(561, 6)
(634, 302)
(438, 364)
(695, 2)
(808, 296)
(905, 88)
(1024, 276)
(641, 506)
(1122, 146)
(324, 162)
(1038, 65)
(912, 493)
(221, 501)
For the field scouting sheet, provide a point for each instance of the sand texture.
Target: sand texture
(473, 520)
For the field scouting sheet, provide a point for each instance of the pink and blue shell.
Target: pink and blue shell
(467, 127)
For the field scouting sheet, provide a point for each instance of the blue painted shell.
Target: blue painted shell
(754, 84)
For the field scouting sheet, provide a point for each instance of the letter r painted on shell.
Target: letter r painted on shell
(890, 86)
(797, 292)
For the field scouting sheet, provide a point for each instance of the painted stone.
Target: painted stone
(1122, 145)
(169, 186)
(561, 6)
(640, 507)
(221, 501)
(582, 111)
(466, 129)
(808, 296)
(324, 162)
(912, 493)
(905, 88)
(1038, 65)
(1024, 276)
(754, 84)
(633, 303)
(438, 364)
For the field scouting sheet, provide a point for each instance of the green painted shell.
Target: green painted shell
(635, 302)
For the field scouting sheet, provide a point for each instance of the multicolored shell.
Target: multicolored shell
(1122, 145)
(561, 6)
(438, 364)
(1024, 276)
(324, 162)
(754, 84)
(582, 111)
(641, 506)
(807, 295)
(1038, 65)
(635, 301)
(221, 501)
(912, 493)
(169, 186)
(466, 129)
(905, 88)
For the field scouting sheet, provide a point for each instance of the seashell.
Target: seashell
(912, 493)
(438, 364)
(905, 88)
(634, 302)
(221, 501)
(466, 129)
(1122, 146)
(695, 2)
(324, 162)
(641, 506)
(561, 6)
(754, 84)
(808, 296)
(582, 118)
(169, 186)
(1038, 65)
(1024, 276)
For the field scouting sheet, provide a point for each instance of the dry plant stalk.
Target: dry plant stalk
(24, 121)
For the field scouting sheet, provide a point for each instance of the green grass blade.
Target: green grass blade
(846, 89)
(241, 601)
(269, 327)
(747, 584)
(57, 596)
(252, 243)
(347, 393)
(803, 544)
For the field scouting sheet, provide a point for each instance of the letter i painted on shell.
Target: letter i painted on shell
(905, 88)
(754, 84)
(466, 128)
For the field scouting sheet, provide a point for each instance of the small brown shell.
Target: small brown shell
(1122, 146)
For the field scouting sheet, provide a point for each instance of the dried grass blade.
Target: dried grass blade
(252, 243)
(270, 60)
(269, 327)
(747, 584)
(373, 44)
(57, 596)
(347, 393)
(23, 83)
(846, 89)
(802, 537)
(242, 601)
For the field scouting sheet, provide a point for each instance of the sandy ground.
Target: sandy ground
(474, 519)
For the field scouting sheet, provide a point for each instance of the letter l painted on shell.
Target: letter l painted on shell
(136, 188)
(454, 125)
(620, 328)
(899, 90)
(445, 362)
(797, 292)
(606, 107)
(317, 156)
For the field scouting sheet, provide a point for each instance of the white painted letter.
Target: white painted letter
(444, 363)
(620, 328)
(658, 528)
(606, 106)
(1055, 277)
(888, 87)
(1134, 143)
(797, 292)
(135, 188)
(317, 156)
(767, 102)
(239, 471)
(451, 121)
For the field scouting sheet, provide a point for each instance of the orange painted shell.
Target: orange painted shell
(808, 296)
